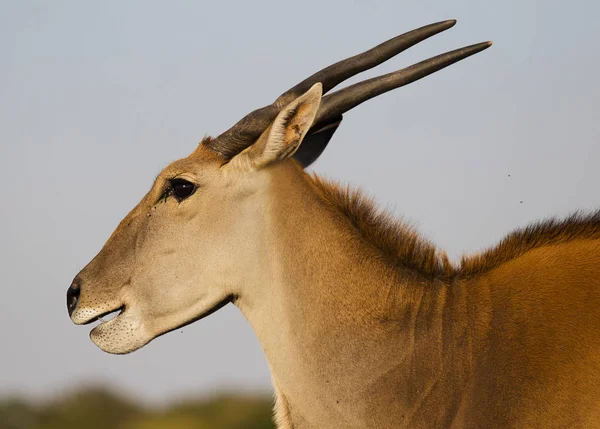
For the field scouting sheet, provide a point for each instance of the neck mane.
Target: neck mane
(403, 247)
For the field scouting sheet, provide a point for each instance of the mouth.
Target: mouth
(88, 316)
(123, 329)
(106, 316)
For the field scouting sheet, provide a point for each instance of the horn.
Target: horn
(248, 129)
(337, 73)
(333, 105)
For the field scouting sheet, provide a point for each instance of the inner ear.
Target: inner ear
(281, 140)
(288, 131)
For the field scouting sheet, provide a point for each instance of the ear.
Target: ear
(281, 140)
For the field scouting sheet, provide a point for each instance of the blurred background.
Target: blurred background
(96, 98)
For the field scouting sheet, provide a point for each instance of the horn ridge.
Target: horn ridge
(245, 132)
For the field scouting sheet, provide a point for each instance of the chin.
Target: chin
(121, 335)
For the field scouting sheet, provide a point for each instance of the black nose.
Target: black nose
(73, 296)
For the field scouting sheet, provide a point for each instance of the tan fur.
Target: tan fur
(364, 324)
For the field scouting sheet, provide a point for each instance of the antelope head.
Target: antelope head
(199, 236)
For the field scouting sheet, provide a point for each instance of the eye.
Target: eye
(182, 189)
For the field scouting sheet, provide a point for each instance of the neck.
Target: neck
(350, 338)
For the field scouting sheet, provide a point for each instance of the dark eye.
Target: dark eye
(182, 189)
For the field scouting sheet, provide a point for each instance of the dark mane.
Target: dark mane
(401, 245)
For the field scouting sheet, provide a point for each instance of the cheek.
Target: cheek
(160, 232)
(169, 272)
(166, 218)
(176, 249)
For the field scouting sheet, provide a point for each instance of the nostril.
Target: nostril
(73, 296)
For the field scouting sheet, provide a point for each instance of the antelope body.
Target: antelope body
(364, 324)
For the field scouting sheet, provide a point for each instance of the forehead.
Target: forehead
(201, 160)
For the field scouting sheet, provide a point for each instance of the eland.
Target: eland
(364, 323)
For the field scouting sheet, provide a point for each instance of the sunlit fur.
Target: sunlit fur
(364, 324)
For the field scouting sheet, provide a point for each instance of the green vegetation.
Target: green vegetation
(102, 409)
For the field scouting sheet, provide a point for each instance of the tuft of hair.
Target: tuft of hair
(401, 245)
(281, 411)
(206, 140)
